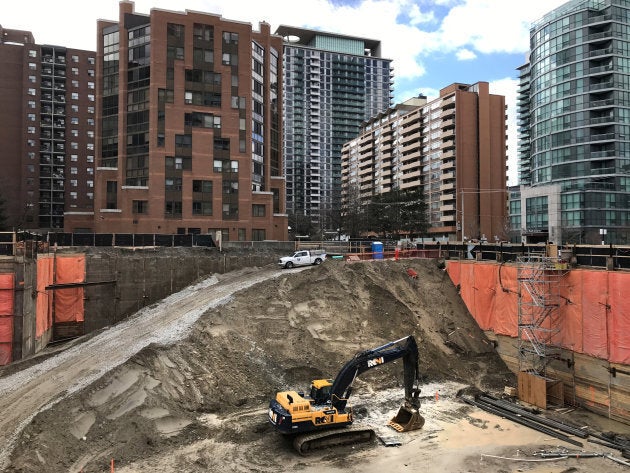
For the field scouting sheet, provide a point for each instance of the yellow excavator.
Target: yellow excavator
(323, 418)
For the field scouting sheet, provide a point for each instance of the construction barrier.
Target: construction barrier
(7, 296)
(55, 304)
(593, 320)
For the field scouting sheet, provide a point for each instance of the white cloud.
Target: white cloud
(465, 55)
(508, 87)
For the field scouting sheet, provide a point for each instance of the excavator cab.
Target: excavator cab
(320, 391)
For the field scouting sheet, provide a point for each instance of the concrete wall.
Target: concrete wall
(25, 295)
(132, 279)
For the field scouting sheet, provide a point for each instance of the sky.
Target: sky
(433, 43)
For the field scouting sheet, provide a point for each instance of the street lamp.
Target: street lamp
(602, 232)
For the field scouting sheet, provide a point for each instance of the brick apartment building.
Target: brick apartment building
(452, 148)
(189, 127)
(47, 131)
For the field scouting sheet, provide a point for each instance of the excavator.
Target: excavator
(323, 418)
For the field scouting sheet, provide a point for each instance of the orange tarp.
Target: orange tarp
(6, 337)
(593, 316)
(6, 294)
(619, 322)
(43, 309)
(485, 292)
(68, 303)
(505, 317)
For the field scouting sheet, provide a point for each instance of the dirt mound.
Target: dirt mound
(206, 397)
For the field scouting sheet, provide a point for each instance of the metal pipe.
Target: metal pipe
(536, 418)
(523, 421)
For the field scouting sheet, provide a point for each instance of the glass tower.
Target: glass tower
(575, 163)
(332, 83)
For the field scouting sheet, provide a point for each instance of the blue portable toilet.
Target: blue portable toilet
(377, 250)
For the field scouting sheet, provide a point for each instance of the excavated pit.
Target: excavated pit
(200, 404)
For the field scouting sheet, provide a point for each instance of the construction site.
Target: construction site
(167, 360)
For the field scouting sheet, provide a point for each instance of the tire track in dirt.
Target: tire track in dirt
(26, 393)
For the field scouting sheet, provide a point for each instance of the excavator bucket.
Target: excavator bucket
(407, 419)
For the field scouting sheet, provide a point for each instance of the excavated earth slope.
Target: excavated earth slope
(200, 404)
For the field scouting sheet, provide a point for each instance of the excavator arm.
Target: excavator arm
(405, 348)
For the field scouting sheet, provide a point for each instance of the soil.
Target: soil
(184, 385)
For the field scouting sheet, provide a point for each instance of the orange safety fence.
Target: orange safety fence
(7, 295)
(593, 317)
(68, 302)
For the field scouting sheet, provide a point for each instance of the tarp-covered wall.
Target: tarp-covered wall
(65, 305)
(594, 320)
(7, 295)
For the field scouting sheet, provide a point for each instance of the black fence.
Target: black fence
(128, 239)
(604, 256)
(29, 244)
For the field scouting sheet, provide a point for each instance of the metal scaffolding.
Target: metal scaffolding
(539, 282)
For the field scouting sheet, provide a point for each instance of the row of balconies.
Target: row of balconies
(50, 60)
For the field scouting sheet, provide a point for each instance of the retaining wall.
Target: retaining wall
(592, 329)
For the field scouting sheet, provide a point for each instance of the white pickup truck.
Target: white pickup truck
(302, 258)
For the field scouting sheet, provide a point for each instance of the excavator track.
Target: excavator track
(304, 443)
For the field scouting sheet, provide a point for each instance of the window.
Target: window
(74, 120)
(75, 71)
(90, 72)
(91, 61)
(31, 129)
(32, 66)
(32, 53)
(173, 183)
(258, 210)
(258, 234)
(90, 134)
(73, 170)
(31, 104)
(202, 186)
(74, 158)
(74, 145)
(173, 207)
(74, 133)
(73, 183)
(73, 196)
(75, 107)
(31, 91)
(91, 97)
(31, 117)
(90, 122)
(75, 96)
(140, 206)
(75, 58)
(201, 207)
(90, 183)
(32, 79)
